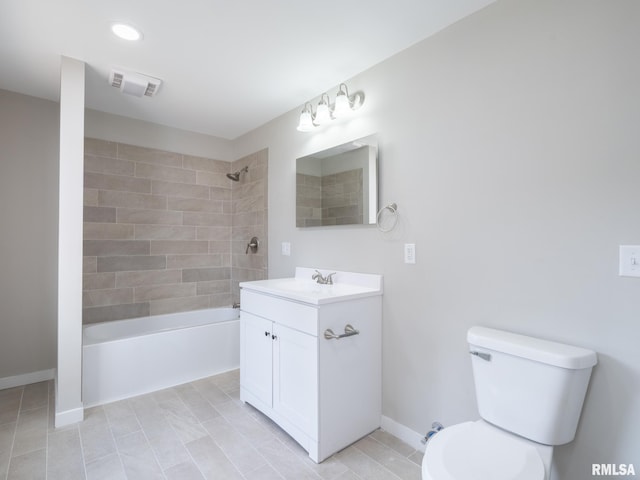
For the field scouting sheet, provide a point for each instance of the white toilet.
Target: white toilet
(529, 393)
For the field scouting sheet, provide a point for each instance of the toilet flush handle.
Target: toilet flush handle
(482, 355)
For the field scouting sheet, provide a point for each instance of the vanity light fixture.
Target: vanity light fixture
(326, 112)
(126, 32)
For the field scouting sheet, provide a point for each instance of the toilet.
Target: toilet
(529, 393)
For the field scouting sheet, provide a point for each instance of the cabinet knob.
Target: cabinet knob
(266, 334)
(274, 337)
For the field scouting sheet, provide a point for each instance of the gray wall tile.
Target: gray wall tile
(112, 198)
(159, 227)
(105, 231)
(149, 155)
(131, 263)
(193, 261)
(115, 312)
(159, 247)
(98, 281)
(99, 214)
(105, 248)
(171, 305)
(113, 296)
(144, 216)
(207, 164)
(153, 277)
(117, 182)
(205, 274)
(103, 148)
(206, 219)
(159, 292)
(144, 170)
(195, 205)
(111, 166)
(90, 197)
(165, 232)
(180, 190)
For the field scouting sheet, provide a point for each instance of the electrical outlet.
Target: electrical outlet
(629, 261)
(286, 248)
(409, 253)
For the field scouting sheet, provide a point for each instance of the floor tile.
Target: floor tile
(200, 430)
(106, 468)
(30, 466)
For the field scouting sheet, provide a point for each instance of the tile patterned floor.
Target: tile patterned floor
(199, 430)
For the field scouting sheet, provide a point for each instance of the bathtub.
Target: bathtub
(125, 358)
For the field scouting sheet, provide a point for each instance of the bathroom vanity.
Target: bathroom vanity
(310, 356)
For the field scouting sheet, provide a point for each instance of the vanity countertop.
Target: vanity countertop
(301, 288)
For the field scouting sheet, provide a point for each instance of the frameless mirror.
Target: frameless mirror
(338, 186)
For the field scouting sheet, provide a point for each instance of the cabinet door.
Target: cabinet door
(256, 354)
(295, 378)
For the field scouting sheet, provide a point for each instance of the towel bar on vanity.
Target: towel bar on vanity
(349, 331)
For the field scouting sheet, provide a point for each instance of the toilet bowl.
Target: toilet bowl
(529, 394)
(480, 451)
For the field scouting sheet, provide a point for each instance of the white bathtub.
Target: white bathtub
(126, 358)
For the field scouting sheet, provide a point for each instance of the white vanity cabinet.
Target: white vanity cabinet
(325, 392)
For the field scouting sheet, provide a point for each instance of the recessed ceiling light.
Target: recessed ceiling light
(126, 32)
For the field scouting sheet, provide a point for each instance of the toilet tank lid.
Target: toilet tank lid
(544, 351)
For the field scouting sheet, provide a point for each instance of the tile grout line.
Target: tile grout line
(153, 452)
(84, 465)
(46, 442)
(113, 437)
(208, 434)
(375, 459)
(193, 460)
(15, 433)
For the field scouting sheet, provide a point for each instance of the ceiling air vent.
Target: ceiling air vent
(135, 84)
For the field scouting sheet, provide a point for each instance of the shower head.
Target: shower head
(236, 176)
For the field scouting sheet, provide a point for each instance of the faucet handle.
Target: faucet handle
(330, 278)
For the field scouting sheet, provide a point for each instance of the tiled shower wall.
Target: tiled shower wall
(159, 230)
(249, 219)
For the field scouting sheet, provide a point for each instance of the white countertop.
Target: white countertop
(301, 288)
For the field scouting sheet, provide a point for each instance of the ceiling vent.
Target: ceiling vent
(135, 84)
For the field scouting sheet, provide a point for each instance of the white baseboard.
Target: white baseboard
(27, 378)
(69, 417)
(403, 433)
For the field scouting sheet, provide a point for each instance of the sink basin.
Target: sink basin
(346, 286)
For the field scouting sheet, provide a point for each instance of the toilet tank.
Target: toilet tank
(531, 387)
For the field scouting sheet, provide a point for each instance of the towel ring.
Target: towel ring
(393, 209)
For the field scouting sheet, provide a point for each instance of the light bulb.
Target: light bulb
(306, 121)
(342, 107)
(323, 115)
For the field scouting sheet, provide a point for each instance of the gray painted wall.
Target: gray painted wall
(29, 233)
(510, 143)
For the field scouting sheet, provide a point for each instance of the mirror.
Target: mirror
(338, 186)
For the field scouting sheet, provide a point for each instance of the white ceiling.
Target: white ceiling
(227, 66)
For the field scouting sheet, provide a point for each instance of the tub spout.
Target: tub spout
(236, 305)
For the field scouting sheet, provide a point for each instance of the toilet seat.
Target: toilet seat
(479, 451)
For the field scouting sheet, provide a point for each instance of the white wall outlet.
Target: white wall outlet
(286, 248)
(629, 261)
(409, 253)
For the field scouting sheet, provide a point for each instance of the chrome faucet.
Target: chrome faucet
(322, 280)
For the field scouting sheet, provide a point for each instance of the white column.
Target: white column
(69, 373)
